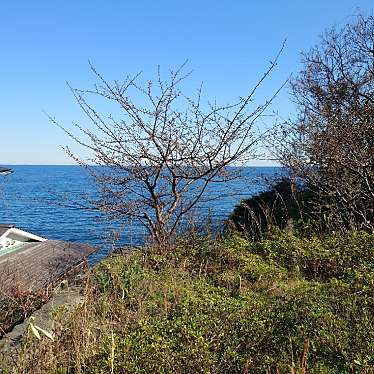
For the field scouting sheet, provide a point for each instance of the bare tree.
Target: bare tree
(154, 162)
(331, 144)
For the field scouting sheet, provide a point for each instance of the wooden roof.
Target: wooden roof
(37, 265)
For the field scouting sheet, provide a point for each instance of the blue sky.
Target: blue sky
(228, 45)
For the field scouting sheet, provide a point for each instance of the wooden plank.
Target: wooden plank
(40, 264)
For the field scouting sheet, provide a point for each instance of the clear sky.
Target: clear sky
(228, 45)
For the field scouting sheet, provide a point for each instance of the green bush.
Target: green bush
(348, 256)
(224, 306)
(284, 203)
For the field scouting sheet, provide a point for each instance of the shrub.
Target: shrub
(228, 305)
(284, 203)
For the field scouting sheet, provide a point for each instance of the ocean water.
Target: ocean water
(38, 199)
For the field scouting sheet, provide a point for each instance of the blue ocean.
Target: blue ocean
(39, 199)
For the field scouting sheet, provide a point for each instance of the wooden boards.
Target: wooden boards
(37, 265)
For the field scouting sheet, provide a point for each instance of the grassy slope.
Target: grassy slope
(222, 306)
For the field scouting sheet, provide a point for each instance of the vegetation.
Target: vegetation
(286, 203)
(286, 304)
(15, 307)
(330, 145)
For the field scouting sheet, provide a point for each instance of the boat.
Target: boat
(12, 238)
(5, 171)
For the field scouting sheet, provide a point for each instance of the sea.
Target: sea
(42, 199)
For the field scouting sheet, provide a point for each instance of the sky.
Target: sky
(228, 44)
